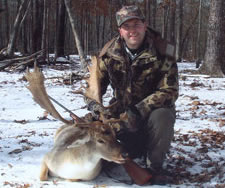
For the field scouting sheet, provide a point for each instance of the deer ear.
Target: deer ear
(81, 140)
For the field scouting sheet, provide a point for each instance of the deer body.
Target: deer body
(73, 164)
(78, 152)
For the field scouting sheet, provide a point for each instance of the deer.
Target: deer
(78, 152)
(81, 146)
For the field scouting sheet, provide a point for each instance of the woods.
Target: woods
(82, 27)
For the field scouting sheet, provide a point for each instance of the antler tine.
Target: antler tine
(40, 96)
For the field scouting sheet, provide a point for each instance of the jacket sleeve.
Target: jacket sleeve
(166, 93)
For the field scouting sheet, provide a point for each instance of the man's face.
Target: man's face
(133, 32)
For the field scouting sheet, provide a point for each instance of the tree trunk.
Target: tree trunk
(16, 28)
(180, 32)
(172, 22)
(187, 33)
(154, 10)
(56, 34)
(37, 25)
(165, 13)
(215, 56)
(198, 47)
(147, 5)
(75, 33)
(7, 19)
(44, 30)
(60, 39)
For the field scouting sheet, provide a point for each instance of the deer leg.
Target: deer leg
(44, 171)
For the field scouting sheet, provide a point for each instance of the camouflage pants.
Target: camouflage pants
(153, 138)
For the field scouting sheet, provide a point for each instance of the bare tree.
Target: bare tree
(44, 29)
(172, 21)
(154, 10)
(215, 56)
(165, 14)
(37, 25)
(198, 48)
(7, 19)
(180, 31)
(76, 36)
(17, 24)
(60, 29)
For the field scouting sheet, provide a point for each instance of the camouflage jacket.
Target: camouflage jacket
(149, 81)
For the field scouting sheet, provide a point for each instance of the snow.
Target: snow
(196, 156)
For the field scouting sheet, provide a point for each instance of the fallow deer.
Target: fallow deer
(78, 148)
(78, 152)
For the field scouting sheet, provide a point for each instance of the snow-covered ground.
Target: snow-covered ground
(197, 155)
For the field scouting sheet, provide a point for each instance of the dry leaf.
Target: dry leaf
(15, 151)
(21, 121)
(196, 103)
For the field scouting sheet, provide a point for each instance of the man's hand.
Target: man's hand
(111, 111)
(133, 118)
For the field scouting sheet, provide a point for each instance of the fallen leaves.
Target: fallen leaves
(33, 144)
(17, 151)
(194, 84)
(202, 109)
(45, 116)
(21, 121)
(220, 121)
(200, 145)
(17, 185)
(27, 147)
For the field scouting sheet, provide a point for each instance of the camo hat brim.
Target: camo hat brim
(128, 13)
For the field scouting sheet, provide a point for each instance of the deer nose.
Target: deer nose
(124, 155)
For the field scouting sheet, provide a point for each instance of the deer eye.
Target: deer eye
(101, 141)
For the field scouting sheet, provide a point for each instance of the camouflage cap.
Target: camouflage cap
(127, 13)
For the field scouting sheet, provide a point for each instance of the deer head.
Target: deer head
(103, 137)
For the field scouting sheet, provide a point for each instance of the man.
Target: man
(140, 67)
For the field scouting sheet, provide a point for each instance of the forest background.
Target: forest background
(63, 27)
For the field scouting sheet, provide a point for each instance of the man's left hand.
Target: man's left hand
(133, 119)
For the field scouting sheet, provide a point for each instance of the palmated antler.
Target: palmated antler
(40, 96)
(93, 91)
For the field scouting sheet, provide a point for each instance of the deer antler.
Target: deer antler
(93, 91)
(40, 96)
